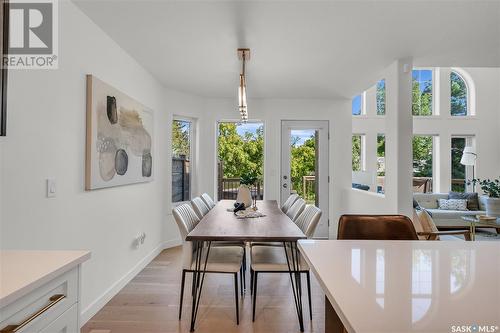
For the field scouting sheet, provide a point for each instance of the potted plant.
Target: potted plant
(491, 188)
(244, 195)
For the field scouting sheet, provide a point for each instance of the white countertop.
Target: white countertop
(403, 286)
(23, 271)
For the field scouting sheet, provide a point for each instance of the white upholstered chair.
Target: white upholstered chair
(225, 259)
(289, 202)
(297, 208)
(208, 200)
(199, 207)
(272, 259)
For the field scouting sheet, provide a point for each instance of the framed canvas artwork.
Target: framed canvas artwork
(119, 149)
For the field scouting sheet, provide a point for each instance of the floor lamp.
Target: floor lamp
(469, 157)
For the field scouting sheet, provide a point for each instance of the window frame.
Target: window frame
(362, 153)
(435, 159)
(192, 157)
(362, 105)
(470, 140)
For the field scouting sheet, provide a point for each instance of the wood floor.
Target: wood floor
(150, 304)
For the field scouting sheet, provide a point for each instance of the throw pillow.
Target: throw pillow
(453, 204)
(472, 199)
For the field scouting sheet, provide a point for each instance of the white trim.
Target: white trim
(115, 288)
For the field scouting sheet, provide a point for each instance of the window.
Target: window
(357, 152)
(240, 152)
(380, 163)
(181, 160)
(422, 92)
(357, 105)
(422, 163)
(459, 172)
(380, 95)
(458, 99)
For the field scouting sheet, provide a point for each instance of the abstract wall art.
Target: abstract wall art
(119, 138)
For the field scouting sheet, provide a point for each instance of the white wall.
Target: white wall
(46, 138)
(271, 112)
(396, 125)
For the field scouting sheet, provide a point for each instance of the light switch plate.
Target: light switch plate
(51, 188)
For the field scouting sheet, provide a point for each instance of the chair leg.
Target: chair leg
(241, 281)
(309, 294)
(254, 294)
(244, 267)
(182, 292)
(251, 281)
(236, 298)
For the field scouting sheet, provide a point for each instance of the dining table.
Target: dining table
(221, 224)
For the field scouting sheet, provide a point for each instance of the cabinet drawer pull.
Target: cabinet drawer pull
(16, 328)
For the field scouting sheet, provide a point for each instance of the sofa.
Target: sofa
(446, 219)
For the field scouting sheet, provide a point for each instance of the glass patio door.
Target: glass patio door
(305, 165)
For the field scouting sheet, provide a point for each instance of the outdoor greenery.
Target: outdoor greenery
(421, 96)
(380, 97)
(241, 154)
(180, 138)
(422, 156)
(458, 95)
(380, 155)
(356, 153)
(490, 187)
(457, 169)
(303, 163)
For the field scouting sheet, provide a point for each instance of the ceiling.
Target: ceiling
(300, 49)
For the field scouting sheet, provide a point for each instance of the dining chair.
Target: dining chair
(224, 259)
(208, 200)
(289, 202)
(427, 230)
(383, 227)
(297, 208)
(272, 259)
(199, 207)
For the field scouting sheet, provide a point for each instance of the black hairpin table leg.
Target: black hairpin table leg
(293, 262)
(198, 277)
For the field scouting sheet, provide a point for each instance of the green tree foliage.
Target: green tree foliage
(356, 153)
(422, 156)
(180, 138)
(421, 98)
(458, 95)
(380, 97)
(303, 163)
(380, 153)
(457, 169)
(241, 154)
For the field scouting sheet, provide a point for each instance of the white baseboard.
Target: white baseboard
(98, 304)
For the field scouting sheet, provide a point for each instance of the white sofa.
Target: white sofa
(441, 217)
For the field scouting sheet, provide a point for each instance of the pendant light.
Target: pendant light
(243, 55)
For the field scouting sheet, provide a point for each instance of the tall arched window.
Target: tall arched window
(459, 95)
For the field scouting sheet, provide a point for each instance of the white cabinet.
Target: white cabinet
(49, 303)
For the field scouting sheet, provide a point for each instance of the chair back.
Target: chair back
(308, 220)
(199, 207)
(208, 200)
(297, 208)
(383, 227)
(186, 219)
(289, 202)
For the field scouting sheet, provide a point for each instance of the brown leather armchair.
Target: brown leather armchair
(383, 227)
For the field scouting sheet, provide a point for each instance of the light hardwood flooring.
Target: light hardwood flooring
(150, 303)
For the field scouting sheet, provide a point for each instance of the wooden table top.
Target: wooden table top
(221, 225)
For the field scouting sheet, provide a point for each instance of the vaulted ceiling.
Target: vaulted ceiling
(300, 49)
